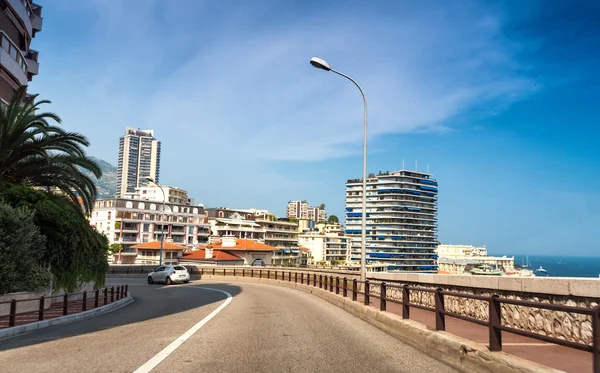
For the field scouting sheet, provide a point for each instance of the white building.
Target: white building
(401, 220)
(460, 251)
(139, 159)
(168, 193)
(132, 221)
(328, 249)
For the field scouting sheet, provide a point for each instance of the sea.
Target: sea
(562, 266)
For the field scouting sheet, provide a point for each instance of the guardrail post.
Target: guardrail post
(65, 304)
(367, 292)
(96, 298)
(344, 287)
(405, 302)
(440, 317)
(234, 272)
(295, 277)
(314, 279)
(337, 284)
(105, 295)
(112, 294)
(331, 284)
(13, 312)
(268, 274)
(41, 310)
(84, 301)
(213, 271)
(354, 288)
(382, 297)
(302, 278)
(260, 273)
(596, 339)
(224, 272)
(126, 289)
(320, 281)
(252, 273)
(243, 272)
(494, 324)
(290, 276)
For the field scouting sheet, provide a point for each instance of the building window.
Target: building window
(221, 214)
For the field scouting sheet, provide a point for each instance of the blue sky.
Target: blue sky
(499, 99)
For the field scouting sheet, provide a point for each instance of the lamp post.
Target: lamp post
(321, 64)
(162, 226)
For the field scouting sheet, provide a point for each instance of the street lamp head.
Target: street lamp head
(150, 179)
(320, 64)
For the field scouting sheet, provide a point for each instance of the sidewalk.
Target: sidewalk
(552, 355)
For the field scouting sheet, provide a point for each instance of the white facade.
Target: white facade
(401, 220)
(154, 193)
(326, 248)
(139, 159)
(131, 221)
(460, 251)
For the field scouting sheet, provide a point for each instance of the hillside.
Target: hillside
(107, 184)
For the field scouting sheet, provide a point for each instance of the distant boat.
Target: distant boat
(541, 270)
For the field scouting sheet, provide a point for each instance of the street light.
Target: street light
(162, 228)
(322, 64)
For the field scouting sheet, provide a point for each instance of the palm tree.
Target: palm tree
(35, 153)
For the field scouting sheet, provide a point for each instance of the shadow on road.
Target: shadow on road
(150, 302)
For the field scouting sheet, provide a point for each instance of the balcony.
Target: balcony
(31, 58)
(12, 59)
(24, 11)
(36, 18)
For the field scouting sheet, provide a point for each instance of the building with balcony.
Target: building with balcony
(149, 253)
(237, 223)
(139, 159)
(155, 193)
(129, 222)
(282, 233)
(460, 251)
(230, 250)
(20, 20)
(301, 210)
(401, 220)
(327, 248)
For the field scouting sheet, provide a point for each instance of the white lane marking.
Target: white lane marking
(158, 358)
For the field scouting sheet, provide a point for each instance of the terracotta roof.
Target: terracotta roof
(304, 248)
(218, 255)
(156, 246)
(241, 245)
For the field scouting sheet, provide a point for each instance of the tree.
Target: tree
(333, 219)
(322, 206)
(75, 252)
(115, 248)
(35, 153)
(21, 248)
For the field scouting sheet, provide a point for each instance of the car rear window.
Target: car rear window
(179, 268)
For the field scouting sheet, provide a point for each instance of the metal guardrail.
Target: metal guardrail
(101, 297)
(494, 324)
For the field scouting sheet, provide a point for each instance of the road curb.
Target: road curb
(22, 329)
(459, 353)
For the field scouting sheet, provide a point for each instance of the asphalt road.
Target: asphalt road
(263, 329)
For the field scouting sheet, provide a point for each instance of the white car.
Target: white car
(169, 274)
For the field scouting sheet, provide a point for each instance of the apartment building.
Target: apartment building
(20, 20)
(460, 251)
(301, 210)
(139, 159)
(236, 223)
(132, 221)
(326, 248)
(335, 228)
(401, 220)
(167, 193)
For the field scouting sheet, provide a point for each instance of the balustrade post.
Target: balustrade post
(367, 292)
(354, 290)
(296, 277)
(41, 309)
(314, 279)
(96, 296)
(13, 312)
(344, 287)
(405, 302)
(383, 297)
(331, 284)
(65, 304)
(112, 294)
(337, 284)
(495, 318)
(440, 317)
(84, 301)
(596, 339)
(320, 281)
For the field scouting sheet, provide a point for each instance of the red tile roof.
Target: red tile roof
(241, 245)
(218, 255)
(155, 245)
(304, 249)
